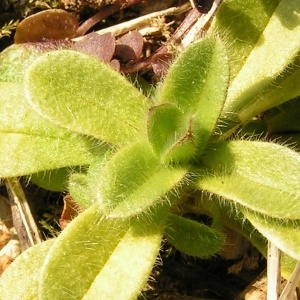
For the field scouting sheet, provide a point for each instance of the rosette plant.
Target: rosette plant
(206, 141)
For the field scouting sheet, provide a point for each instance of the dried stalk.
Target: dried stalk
(273, 272)
(23, 220)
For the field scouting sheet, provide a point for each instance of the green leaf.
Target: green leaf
(240, 24)
(69, 271)
(26, 269)
(261, 176)
(277, 46)
(82, 186)
(30, 144)
(284, 234)
(193, 238)
(53, 180)
(133, 180)
(192, 85)
(15, 60)
(169, 133)
(156, 188)
(137, 251)
(82, 94)
(79, 190)
(106, 252)
(285, 87)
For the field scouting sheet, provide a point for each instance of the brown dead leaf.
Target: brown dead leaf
(51, 24)
(130, 46)
(70, 211)
(4, 238)
(5, 261)
(99, 46)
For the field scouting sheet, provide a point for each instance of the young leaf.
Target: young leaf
(26, 270)
(193, 238)
(154, 189)
(29, 143)
(82, 186)
(169, 133)
(133, 180)
(261, 176)
(284, 234)
(106, 252)
(79, 190)
(192, 85)
(82, 94)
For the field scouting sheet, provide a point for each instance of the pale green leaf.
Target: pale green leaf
(15, 60)
(193, 238)
(82, 94)
(53, 180)
(284, 234)
(20, 280)
(78, 255)
(96, 256)
(29, 143)
(192, 85)
(170, 134)
(154, 189)
(261, 176)
(277, 46)
(127, 269)
(240, 24)
(133, 180)
(123, 173)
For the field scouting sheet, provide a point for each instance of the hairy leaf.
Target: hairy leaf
(284, 234)
(240, 24)
(261, 176)
(192, 85)
(27, 268)
(83, 94)
(274, 45)
(133, 181)
(193, 238)
(170, 133)
(101, 263)
(29, 143)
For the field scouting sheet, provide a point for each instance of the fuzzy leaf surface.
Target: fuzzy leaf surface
(193, 238)
(29, 143)
(28, 264)
(284, 234)
(275, 48)
(137, 250)
(169, 133)
(15, 60)
(83, 94)
(133, 180)
(192, 85)
(240, 24)
(261, 176)
(102, 247)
